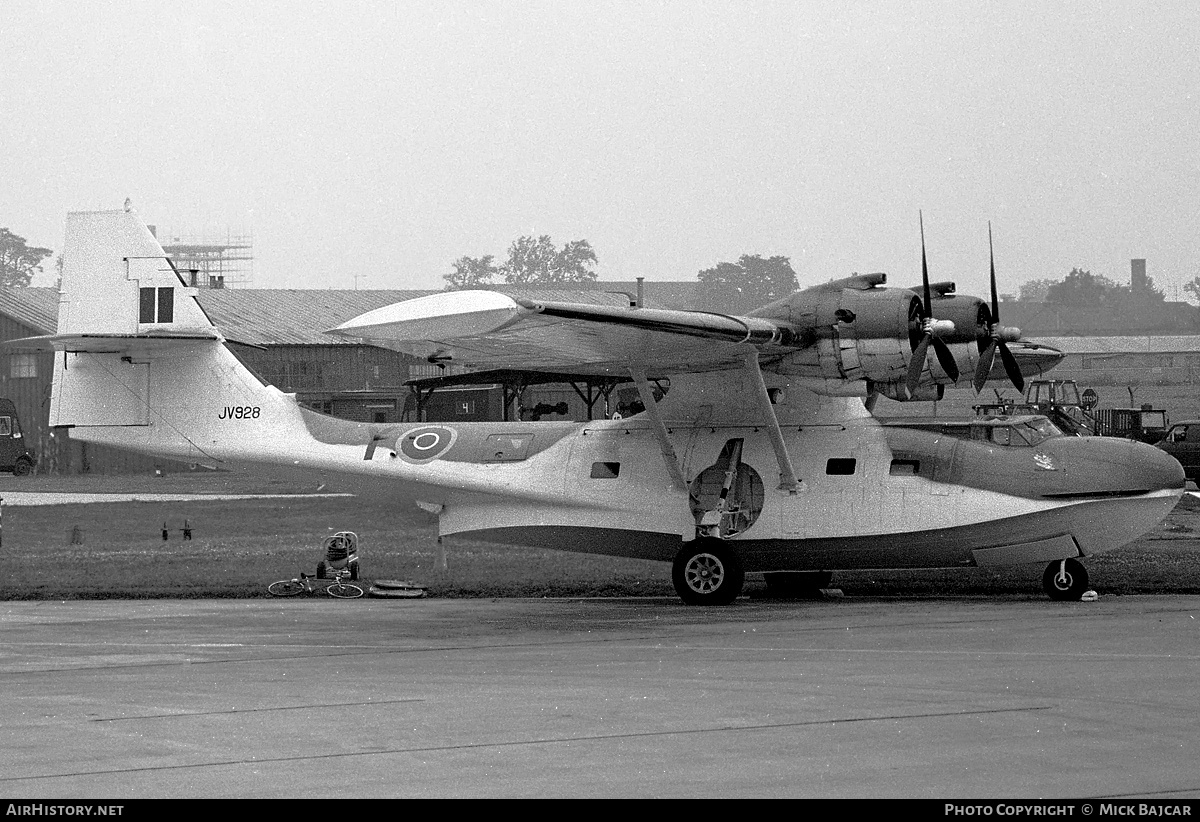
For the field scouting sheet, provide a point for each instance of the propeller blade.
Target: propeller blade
(987, 354)
(1010, 366)
(917, 363)
(987, 358)
(945, 359)
(992, 262)
(925, 271)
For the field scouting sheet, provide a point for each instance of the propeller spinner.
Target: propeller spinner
(929, 332)
(997, 336)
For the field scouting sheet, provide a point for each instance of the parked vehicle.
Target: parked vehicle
(1076, 413)
(14, 456)
(1183, 443)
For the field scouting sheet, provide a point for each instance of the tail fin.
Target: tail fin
(141, 364)
(118, 280)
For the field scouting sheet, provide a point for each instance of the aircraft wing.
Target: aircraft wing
(488, 329)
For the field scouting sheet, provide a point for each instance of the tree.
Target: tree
(537, 260)
(19, 262)
(1148, 292)
(1082, 289)
(1193, 288)
(751, 282)
(1035, 291)
(471, 272)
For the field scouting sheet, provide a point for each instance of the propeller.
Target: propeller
(928, 326)
(996, 338)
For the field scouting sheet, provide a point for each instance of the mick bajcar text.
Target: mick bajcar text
(1081, 809)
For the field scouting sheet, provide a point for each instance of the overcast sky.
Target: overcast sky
(384, 140)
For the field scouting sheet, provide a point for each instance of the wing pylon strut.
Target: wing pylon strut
(787, 475)
(646, 394)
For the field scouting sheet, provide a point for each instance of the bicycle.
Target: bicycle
(339, 588)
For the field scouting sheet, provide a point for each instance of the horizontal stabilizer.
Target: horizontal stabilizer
(113, 343)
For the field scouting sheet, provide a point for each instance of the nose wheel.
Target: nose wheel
(707, 572)
(1065, 580)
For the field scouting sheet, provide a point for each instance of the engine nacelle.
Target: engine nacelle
(970, 315)
(874, 312)
(928, 392)
(855, 332)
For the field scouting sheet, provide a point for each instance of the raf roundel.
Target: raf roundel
(425, 444)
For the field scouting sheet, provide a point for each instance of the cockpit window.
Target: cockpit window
(1019, 432)
(1038, 430)
(1023, 434)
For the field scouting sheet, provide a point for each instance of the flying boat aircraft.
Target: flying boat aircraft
(761, 456)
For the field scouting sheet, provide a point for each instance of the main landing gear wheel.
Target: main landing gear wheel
(797, 584)
(707, 572)
(1065, 580)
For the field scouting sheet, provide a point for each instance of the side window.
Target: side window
(146, 305)
(5, 426)
(606, 470)
(156, 305)
(840, 466)
(166, 305)
(1001, 435)
(21, 366)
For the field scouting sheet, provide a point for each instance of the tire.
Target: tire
(707, 572)
(285, 588)
(396, 584)
(344, 590)
(22, 467)
(321, 570)
(395, 593)
(797, 584)
(1065, 580)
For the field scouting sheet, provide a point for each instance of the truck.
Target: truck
(1076, 413)
(14, 456)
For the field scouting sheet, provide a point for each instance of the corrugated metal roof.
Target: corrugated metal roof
(300, 316)
(290, 316)
(34, 307)
(1156, 344)
(1156, 318)
(259, 316)
(680, 294)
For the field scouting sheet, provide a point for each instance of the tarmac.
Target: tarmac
(53, 498)
(1004, 698)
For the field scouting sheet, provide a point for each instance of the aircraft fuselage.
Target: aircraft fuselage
(869, 495)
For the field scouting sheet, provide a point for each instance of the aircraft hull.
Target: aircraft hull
(1065, 531)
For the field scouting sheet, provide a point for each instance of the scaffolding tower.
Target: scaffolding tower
(206, 260)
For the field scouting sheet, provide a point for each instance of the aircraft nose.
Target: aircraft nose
(1160, 468)
(1121, 466)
